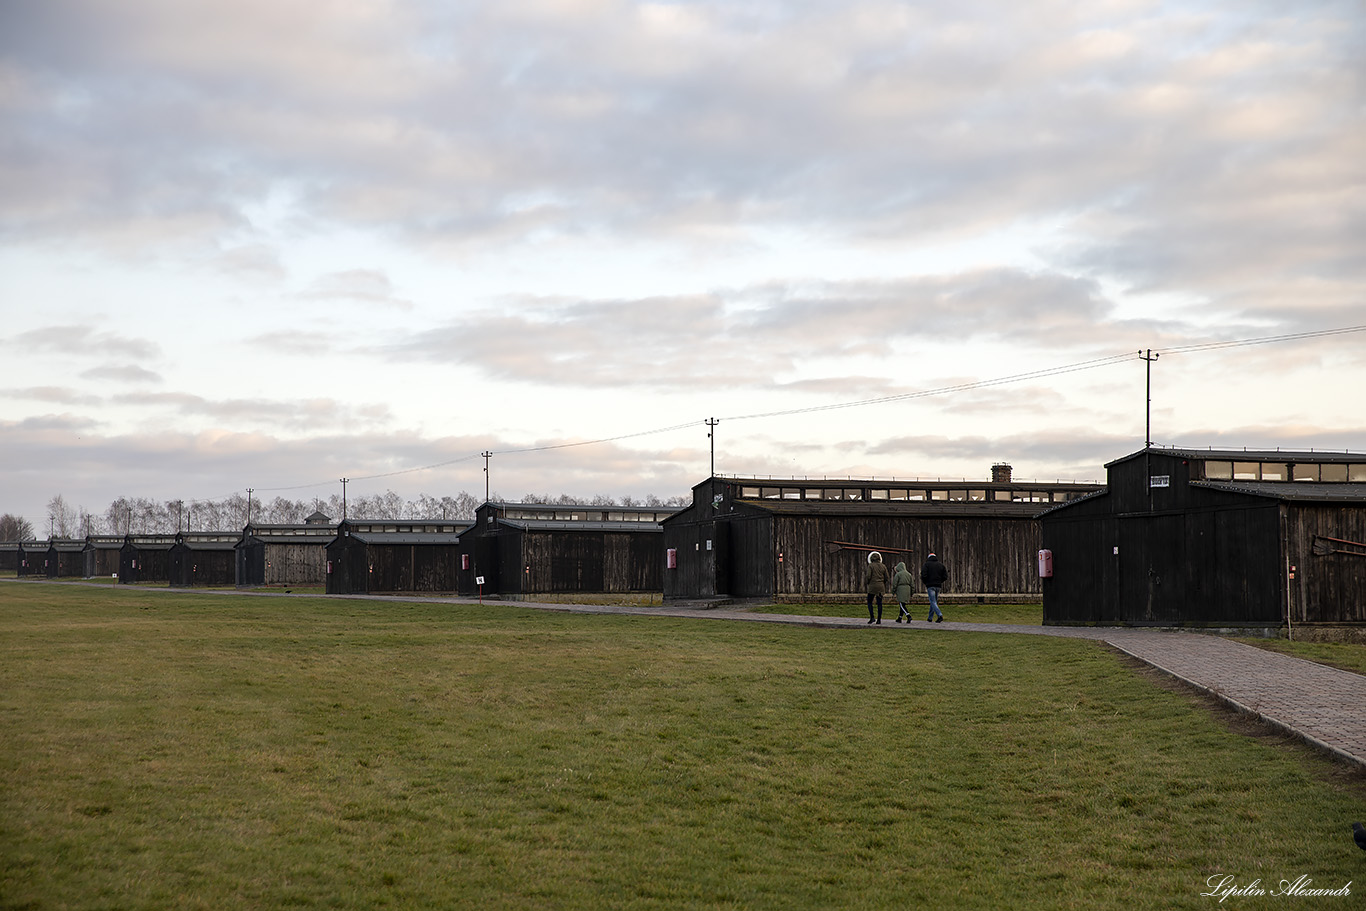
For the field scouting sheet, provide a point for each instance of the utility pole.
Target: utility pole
(1148, 357)
(343, 484)
(487, 454)
(249, 490)
(711, 436)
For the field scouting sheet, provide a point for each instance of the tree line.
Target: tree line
(140, 515)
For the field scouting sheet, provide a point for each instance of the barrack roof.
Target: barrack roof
(1249, 455)
(1304, 491)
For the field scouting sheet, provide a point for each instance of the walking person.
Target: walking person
(903, 587)
(875, 582)
(933, 575)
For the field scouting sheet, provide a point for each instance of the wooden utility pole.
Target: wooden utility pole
(711, 437)
(1148, 356)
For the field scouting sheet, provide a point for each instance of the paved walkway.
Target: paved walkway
(1323, 705)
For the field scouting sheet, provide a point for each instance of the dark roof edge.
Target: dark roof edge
(1248, 455)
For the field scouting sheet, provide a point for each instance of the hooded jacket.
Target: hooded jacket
(903, 584)
(878, 575)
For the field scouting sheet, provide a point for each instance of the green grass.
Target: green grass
(1016, 614)
(630, 599)
(213, 751)
(1346, 655)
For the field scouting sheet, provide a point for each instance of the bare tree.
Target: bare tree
(61, 518)
(463, 505)
(15, 528)
(139, 515)
(425, 507)
(88, 523)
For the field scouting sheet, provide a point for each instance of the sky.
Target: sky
(271, 243)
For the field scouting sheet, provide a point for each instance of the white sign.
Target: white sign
(478, 580)
(1160, 480)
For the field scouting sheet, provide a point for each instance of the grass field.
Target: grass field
(167, 750)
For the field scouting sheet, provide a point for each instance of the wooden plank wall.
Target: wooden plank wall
(349, 575)
(696, 573)
(294, 564)
(984, 555)
(66, 563)
(412, 567)
(563, 561)
(752, 556)
(190, 567)
(153, 565)
(1209, 567)
(101, 561)
(1327, 588)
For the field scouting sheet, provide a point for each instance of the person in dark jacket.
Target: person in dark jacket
(933, 575)
(876, 583)
(903, 586)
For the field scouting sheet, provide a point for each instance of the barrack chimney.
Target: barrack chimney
(1000, 473)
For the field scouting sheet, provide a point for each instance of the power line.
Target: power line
(945, 390)
(906, 396)
(923, 393)
(624, 436)
(1263, 340)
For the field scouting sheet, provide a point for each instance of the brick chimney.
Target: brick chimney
(1000, 473)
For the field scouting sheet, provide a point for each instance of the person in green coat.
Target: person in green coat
(903, 587)
(875, 582)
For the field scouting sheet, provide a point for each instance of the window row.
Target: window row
(894, 494)
(1340, 472)
(586, 515)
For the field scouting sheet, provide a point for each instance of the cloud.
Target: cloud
(122, 373)
(260, 261)
(59, 455)
(57, 395)
(765, 333)
(75, 340)
(366, 286)
(597, 212)
(1173, 150)
(47, 425)
(299, 415)
(296, 342)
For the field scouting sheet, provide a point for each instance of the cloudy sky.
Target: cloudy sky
(272, 243)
